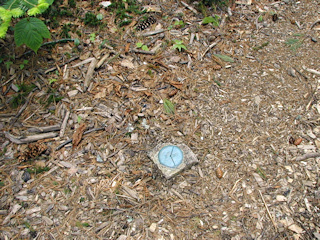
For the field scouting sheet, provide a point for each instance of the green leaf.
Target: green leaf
(76, 42)
(52, 80)
(99, 16)
(11, 4)
(43, 6)
(224, 57)
(178, 42)
(5, 14)
(214, 20)
(17, 12)
(139, 44)
(34, 11)
(179, 45)
(145, 48)
(260, 19)
(207, 20)
(30, 31)
(92, 37)
(79, 119)
(4, 28)
(292, 41)
(168, 106)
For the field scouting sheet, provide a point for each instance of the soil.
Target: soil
(244, 98)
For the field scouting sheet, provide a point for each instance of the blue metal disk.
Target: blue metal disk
(170, 156)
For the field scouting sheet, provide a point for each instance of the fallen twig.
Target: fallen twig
(64, 124)
(44, 129)
(274, 224)
(211, 46)
(23, 107)
(189, 7)
(313, 71)
(61, 65)
(308, 155)
(28, 139)
(70, 140)
(83, 62)
(89, 74)
(147, 34)
(102, 60)
(315, 23)
(142, 52)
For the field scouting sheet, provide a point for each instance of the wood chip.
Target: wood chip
(77, 136)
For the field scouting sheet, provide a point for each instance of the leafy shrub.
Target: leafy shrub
(29, 30)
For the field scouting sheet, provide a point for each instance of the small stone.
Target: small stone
(26, 176)
(153, 227)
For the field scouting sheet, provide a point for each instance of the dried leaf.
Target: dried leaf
(77, 136)
(224, 57)
(176, 84)
(127, 63)
(101, 94)
(173, 92)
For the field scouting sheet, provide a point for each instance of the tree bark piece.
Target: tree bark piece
(308, 155)
(44, 129)
(77, 136)
(89, 74)
(28, 139)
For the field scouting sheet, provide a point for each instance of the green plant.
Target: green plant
(80, 224)
(261, 173)
(30, 30)
(8, 64)
(295, 43)
(260, 46)
(142, 46)
(3, 152)
(123, 10)
(178, 44)
(20, 97)
(52, 80)
(37, 170)
(22, 65)
(79, 118)
(179, 24)
(92, 37)
(99, 16)
(168, 106)
(224, 57)
(214, 20)
(91, 19)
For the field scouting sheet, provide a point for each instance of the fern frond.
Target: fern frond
(17, 12)
(5, 14)
(34, 11)
(43, 6)
(4, 28)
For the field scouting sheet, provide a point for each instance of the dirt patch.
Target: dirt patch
(244, 98)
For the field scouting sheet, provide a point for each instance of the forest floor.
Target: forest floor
(243, 96)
